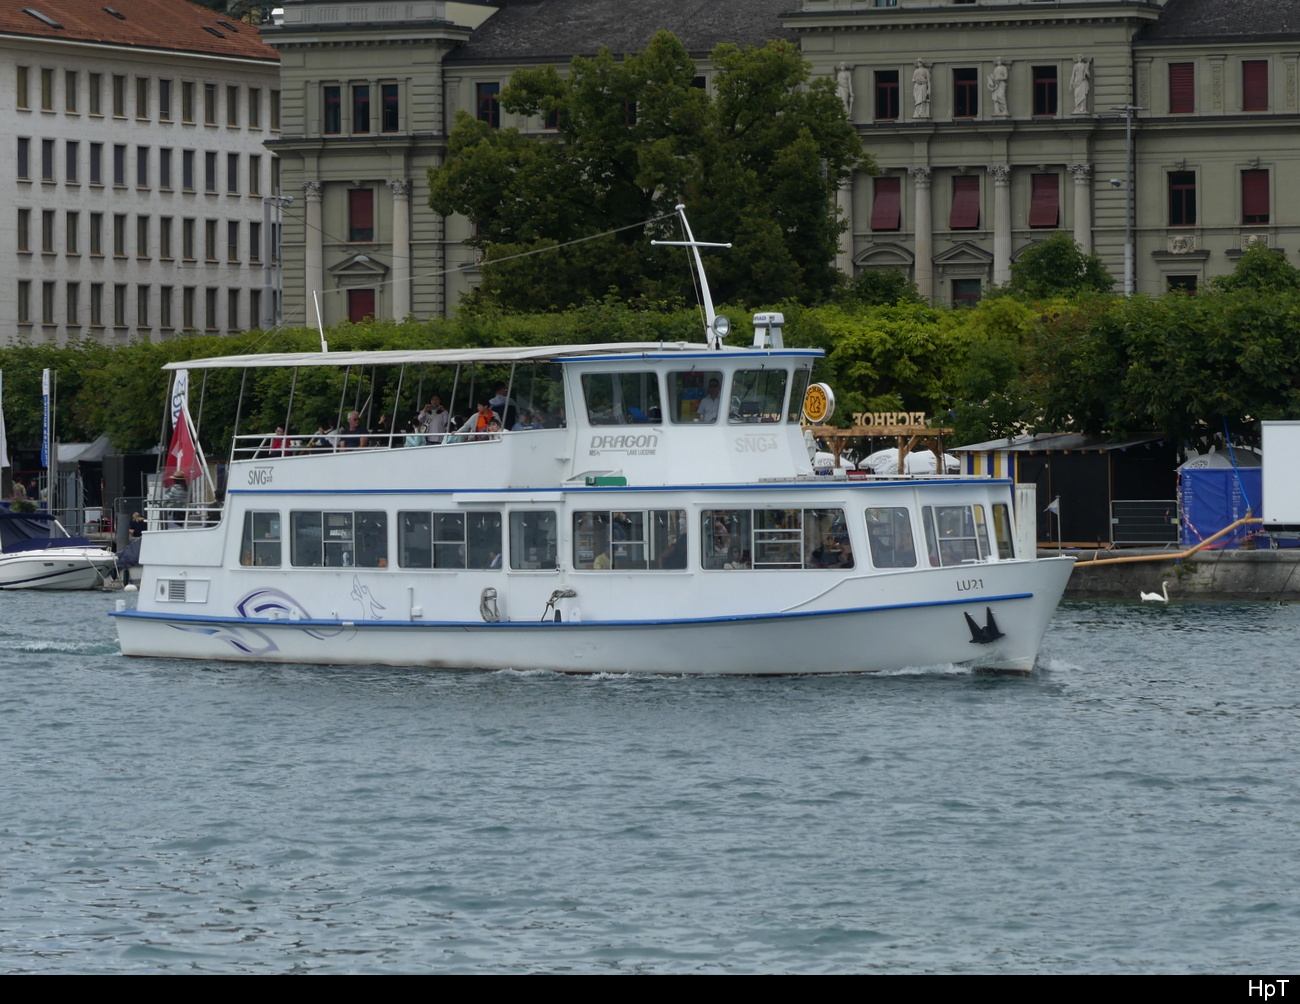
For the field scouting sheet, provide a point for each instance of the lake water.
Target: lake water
(1132, 807)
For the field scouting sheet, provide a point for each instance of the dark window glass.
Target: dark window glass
(886, 94)
(361, 109)
(489, 110)
(333, 110)
(1182, 198)
(1045, 90)
(965, 93)
(388, 95)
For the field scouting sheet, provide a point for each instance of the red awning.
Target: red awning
(1045, 206)
(887, 208)
(965, 203)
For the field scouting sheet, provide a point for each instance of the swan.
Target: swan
(1157, 597)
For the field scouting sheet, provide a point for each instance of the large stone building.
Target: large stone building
(135, 148)
(994, 122)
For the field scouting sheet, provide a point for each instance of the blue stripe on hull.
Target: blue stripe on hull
(507, 625)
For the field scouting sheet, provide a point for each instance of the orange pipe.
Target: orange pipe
(1170, 557)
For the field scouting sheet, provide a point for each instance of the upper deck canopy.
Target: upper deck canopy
(513, 354)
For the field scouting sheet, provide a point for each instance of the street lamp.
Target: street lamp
(1129, 168)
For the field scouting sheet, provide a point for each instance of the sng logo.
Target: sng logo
(756, 444)
(259, 476)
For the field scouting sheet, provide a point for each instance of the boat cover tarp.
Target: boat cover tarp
(30, 531)
(1210, 498)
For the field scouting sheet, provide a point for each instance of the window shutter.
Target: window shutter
(965, 203)
(886, 209)
(1254, 85)
(1254, 197)
(1045, 205)
(1182, 88)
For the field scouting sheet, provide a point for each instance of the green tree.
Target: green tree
(1261, 268)
(1057, 266)
(758, 162)
(877, 287)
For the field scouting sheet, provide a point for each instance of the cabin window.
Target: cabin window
(630, 540)
(1002, 531)
(775, 538)
(689, 392)
(261, 545)
(798, 390)
(889, 535)
(621, 398)
(449, 539)
(533, 539)
(955, 534)
(757, 396)
(339, 539)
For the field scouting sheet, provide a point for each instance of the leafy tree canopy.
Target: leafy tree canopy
(1057, 267)
(757, 162)
(1261, 268)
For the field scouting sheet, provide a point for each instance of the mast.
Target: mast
(715, 327)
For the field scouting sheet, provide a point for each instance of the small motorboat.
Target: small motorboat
(36, 552)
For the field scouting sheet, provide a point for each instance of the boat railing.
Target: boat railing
(164, 515)
(264, 447)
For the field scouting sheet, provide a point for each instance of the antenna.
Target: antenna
(716, 327)
(320, 324)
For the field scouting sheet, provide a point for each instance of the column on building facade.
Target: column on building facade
(1001, 223)
(1082, 174)
(923, 242)
(844, 203)
(314, 275)
(401, 189)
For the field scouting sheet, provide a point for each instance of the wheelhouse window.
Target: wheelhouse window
(889, 536)
(449, 539)
(757, 396)
(1002, 531)
(798, 390)
(695, 396)
(261, 543)
(622, 398)
(339, 539)
(533, 539)
(735, 539)
(886, 95)
(625, 539)
(955, 534)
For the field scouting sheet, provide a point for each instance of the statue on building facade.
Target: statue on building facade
(844, 87)
(1081, 83)
(997, 82)
(921, 91)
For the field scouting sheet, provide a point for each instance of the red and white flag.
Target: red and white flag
(183, 454)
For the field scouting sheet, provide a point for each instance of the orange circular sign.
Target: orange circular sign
(818, 403)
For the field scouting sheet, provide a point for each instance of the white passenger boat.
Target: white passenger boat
(36, 552)
(661, 515)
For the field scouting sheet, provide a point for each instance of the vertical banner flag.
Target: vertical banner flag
(180, 393)
(183, 454)
(4, 442)
(45, 421)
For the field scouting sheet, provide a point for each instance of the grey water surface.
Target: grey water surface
(1132, 807)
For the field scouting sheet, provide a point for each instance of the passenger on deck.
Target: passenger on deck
(175, 499)
(434, 420)
(708, 409)
(356, 436)
(503, 406)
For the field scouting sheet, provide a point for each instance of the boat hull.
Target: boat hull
(995, 631)
(55, 569)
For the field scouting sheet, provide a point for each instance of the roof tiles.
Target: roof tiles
(153, 24)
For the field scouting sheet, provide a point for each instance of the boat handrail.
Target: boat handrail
(257, 446)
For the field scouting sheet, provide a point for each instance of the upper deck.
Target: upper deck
(656, 414)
